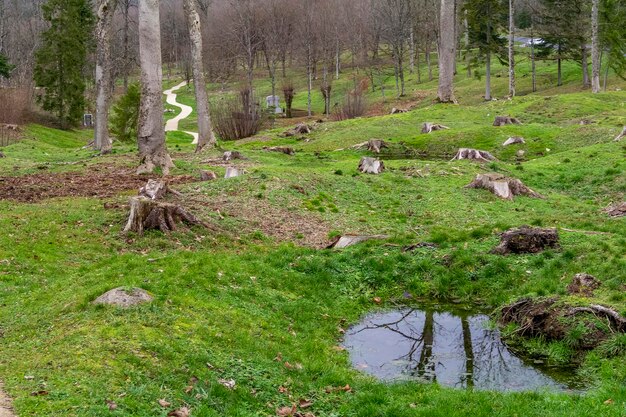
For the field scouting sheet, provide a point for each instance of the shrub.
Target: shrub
(125, 116)
(353, 106)
(237, 118)
(15, 105)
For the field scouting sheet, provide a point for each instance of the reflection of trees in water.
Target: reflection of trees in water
(426, 366)
(469, 353)
(493, 357)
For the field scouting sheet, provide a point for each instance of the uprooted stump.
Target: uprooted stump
(502, 186)
(369, 165)
(148, 214)
(621, 135)
(473, 155)
(280, 149)
(231, 155)
(527, 240)
(372, 145)
(341, 242)
(554, 320)
(617, 210)
(583, 284)
(299, 129)
(429, 127)
(514, 140)
(123, 297)
(506, 120)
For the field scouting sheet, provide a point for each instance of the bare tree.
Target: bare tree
(396, 20)
(151, 133)
(205, 129)
(595, 47)
(511, 49)
(447, 51)
(106, 10)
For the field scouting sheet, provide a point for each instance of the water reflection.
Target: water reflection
(453, 349)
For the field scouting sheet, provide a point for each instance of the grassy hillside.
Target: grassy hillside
(258, 286)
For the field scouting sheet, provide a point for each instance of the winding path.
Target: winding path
(185, 111)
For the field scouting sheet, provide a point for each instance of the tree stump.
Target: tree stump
(429, 127)
(473, 155)
(398, 111)
(583, 284)
(232, 172)
(148, 214)
(502, 186)
(282, 149)
(506, 120)
(341, 242)
(369, 165)
(154, 189)
(527, 240)
(514, 140)
(231, 155)
(207, 176)
(299, 129)
(618, 210)
(375, 145)
(621, 135)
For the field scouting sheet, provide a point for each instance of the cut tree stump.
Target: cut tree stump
(154, 189)
(398, 111)
(617, 210)
(621, 135)
(369, 165)
(231, 155)
(280, 149)
(341, 242)
(232, 172)
(429, 127)
(372, 145)
(506, 120)
(473, 155)
(502, 186)
(514, 140)
(148, 214)
(527, 240)
(299, 129)
(207, 176)
(583, 284)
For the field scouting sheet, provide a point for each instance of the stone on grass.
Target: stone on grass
(583, 284)
(124, 297)
(527, 240)
(617, 210)
(232, 172)
(341, 242)
(514, 140)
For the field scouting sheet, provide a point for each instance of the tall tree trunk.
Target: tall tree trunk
(126, 40)
(309, 74)
(595, 48)
(106, 10)
(532, 59)
(418, 63)
(511, 50)
(559, 76)
(205, 129)
(488, 76)
(585, 66)
(447, 51)
(151, 135)
(467, 47)
(429, 62)
(337, 59)
(412, 52)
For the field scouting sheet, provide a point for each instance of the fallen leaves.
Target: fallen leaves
(346, 388)
(164, 403)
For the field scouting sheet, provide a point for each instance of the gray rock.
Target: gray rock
(123, 297)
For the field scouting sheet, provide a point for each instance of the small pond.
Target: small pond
(451, 347)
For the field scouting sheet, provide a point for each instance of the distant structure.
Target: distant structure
(273, 102)
(88, 120)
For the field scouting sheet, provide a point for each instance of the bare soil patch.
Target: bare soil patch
(99, 181)
(5, 404)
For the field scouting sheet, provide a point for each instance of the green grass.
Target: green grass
(227, 302)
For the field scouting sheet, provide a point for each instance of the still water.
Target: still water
(452, 348)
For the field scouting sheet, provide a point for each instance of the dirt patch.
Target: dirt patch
(5, 404)
(99, 181)
(279, 223)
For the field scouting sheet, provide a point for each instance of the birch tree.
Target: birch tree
(595, 47)
(106, 10)
(205, 129)
(151, 133)
(512, 48)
